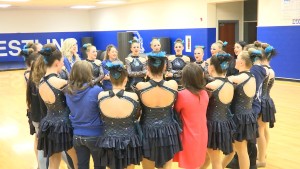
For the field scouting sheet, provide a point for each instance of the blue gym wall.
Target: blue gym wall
(286, 41)
(11, 43)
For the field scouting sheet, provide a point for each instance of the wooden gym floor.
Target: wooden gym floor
(16, 145)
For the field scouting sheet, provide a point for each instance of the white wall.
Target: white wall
(277, 13)
(231, 11)
(26, 21)
(162, 14)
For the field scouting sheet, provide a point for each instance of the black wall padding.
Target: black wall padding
(124, 45)
(85, 40)
(165, 44)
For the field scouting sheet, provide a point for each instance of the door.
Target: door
(227, 32)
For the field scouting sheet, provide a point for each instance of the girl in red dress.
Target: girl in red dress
(191, 104)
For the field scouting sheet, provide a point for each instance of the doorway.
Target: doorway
(229, 32)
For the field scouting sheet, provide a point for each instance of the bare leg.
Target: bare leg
(207, 162)
(242, 151)
(215, 157)
(147, 164)
(72, 153)
(35, 149)
(54, 161)
(261, 143)
(267, 136)
(227, 159)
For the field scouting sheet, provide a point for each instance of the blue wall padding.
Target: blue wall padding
(200, 36)
(286, 41)
(41, 37)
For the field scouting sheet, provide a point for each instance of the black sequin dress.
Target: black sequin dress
(97, 68)
(244, 117)
(220, 124)
(161, 133)
(176, 67)
(268, 109)
(120, 145)
(56, 132)
(136, 71)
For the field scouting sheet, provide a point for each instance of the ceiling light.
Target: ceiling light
(14, 0)
(111, 2)
(4, 5)
(82, 7)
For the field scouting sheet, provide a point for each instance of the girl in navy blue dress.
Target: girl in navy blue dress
(177, 62)
(267, 117)
(244, 117)
(98, 72)
(219, 118)
(135, 65)
(56, 133)
(161, 133)
(111, 55)
(120, 145)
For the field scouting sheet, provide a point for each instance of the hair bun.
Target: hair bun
(115, 68)
(257, 44)
(85, 46)
(199, 46)
(25, 52)
(46, 52)
(255, 55)
(224, 59)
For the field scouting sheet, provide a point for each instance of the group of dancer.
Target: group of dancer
(155, 109)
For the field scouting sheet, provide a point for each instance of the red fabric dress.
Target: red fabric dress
(194, 135)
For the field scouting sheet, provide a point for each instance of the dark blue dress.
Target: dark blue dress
(244, 117)
(136, 71)
(56, 132)
(268, 109)
(161, 133)
(120, 145)
(220, 124)
(176, 67)
(106, 83)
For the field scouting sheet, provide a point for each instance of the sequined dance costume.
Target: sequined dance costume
(97, 68)
(219, 122)
(268, 109)
(56, 132)
(244, 118)
(120, 145)
(136, 67)
(161, 133)
(175, 65)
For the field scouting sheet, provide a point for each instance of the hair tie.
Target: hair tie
(25, 47)
(161, 54)
(225, 44)
(224, 65)
(179, 41)
(269, 49)
(115, 69)
(85, 46)
(199, 46)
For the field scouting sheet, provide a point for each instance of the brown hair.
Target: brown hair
(108, 49)
(192, 78)
(38, 70)
(218, 59)
(50, 54)
(80, 74)
(156, 64)
(117, 70)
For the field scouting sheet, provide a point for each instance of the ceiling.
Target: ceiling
(63, 4)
